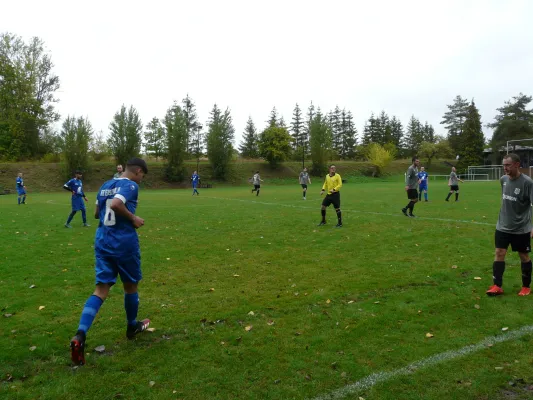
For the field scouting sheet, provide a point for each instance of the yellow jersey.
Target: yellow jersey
(332, 182)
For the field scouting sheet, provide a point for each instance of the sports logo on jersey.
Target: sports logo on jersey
(517, 191)
(132, 187)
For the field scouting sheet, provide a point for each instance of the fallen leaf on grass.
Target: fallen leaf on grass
(350, 302)
(429, 335)
(235, 275)
(32, 286)
(168, 259)
(270, 323)
(212, 289)
(498, 368)
(477, 307)
(376, 302)
(248, 328)
(251, 313)
(477, 278)
(505, 329)
(152, 383)
(99, 349)
(454, 266)
(8, 315)
(32, 348)
(328, 301)
(150, 329)
(41, 308)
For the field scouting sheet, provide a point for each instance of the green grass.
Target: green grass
(331, 306)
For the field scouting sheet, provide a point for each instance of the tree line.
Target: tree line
(28, 88)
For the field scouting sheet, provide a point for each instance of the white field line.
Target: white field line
(380, 377)
(357, 211)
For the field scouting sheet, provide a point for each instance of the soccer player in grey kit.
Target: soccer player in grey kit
(514, 224)
(411, 184)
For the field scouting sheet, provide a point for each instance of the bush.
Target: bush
(51, 158)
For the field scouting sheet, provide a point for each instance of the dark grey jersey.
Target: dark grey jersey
(515, 212)
(411, 178)
(304, 178)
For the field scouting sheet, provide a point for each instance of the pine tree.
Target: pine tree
(474, 140)
(348, 136)
(281, 123)
(335, 117)
(320, 140)
(297, 129)
(249, 148)
(191, 120)
(274, 118)
(414, 136)
(396, 130)
(453, 120)
(384, 129)
(513, 121)
(429, 133)
(220, 137)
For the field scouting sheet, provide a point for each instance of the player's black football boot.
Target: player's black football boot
(135, 329)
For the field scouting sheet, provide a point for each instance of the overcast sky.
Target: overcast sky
(404, 57)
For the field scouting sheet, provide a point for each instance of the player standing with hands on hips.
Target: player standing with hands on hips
(76, 187)
(117, 252)
(454, 185)
(332, 184)
(514, 225)
(21, 189)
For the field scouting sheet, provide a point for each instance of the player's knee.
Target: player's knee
(524, 257)
(130, 287)
(102, 290)
(500, 254)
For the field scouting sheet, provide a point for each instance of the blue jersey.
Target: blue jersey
(423, 176)
(195, 178)
(20, 186)
(76, 187)
(116, 235)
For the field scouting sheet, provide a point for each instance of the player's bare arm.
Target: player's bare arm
(97, 212)
(120, 208)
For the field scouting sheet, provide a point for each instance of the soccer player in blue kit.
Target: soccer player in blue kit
(422, 184)
(117, 252)
(195, 178)
(76, 187)
(21, 189)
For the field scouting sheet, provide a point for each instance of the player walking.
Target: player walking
(117, 252)
(422, 184)
(514, 224)
(411, 183)
(21, 189)
(75, 186)
(453, 182)
(332, 184)
(304, 180)
(256, 180)
(195, 178)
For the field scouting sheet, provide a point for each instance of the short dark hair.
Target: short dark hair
(78, 172)
(414, 159)
(256, 172)
(137, 162)
(513, 157)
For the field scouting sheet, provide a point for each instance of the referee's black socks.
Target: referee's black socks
(323, 212)
(498, 268)
(449, 195)
(526, 273)
(339, 217)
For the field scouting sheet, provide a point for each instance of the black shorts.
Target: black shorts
(333, 198)
(304, 185)
(454, 188)
(257, 187)
(412, 194)
(520, 242)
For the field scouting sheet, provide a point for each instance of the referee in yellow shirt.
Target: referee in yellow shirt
(332, 184)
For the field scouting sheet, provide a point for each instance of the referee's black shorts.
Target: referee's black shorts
(412, 194)
(520, 242)
(333, 198)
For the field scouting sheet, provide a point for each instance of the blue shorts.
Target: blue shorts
(77, 203)
(21, 191)
(108, 266)
(423, 187)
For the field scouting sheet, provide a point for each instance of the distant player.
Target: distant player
(21, 189)
(195, 179)
(304, 180)
(76, 188)
(453, 182)
(332, 185)
(422, 184)
(256, 180)
(514, 224)
(411, 183)
(119, 172)
(117, 252)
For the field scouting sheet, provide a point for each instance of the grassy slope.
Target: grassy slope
(48, 177)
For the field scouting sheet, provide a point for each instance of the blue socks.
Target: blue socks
(131, 304)
(71, 216)
(84, 216)
(89, 312)
(426, 196)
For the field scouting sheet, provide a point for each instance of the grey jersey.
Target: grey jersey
(304, 178)
(515, 212)
(117, 175)
(411, 178)
(454, 181)
(256, 180)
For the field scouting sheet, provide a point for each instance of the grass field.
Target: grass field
(327, 307)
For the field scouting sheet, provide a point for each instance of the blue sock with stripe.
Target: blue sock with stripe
(131, 304)
(90, 310)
